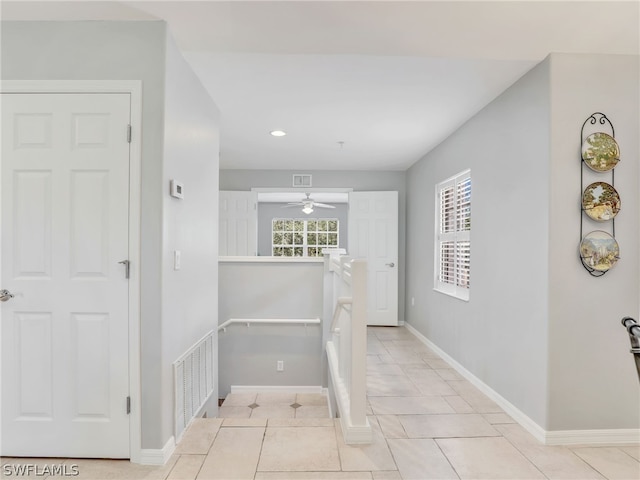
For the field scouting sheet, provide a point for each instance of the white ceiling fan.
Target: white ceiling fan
(308, 204)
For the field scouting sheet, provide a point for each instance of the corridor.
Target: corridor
(428, 423)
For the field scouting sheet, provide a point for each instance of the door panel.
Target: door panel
(90, 365)
(34, 365)
(32, 224)
(89, 224)
(373, 234)
(65, 215)
(238, 223)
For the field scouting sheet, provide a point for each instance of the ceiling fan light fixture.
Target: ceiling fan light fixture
(307, 209)
(278, 133)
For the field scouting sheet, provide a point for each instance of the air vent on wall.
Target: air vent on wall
(300, 180)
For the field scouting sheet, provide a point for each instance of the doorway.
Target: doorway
(70, 264)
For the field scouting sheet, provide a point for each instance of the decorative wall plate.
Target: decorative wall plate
(600, 201)
(600, 152)
(599, 251)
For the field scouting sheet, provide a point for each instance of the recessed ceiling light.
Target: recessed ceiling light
(278, 133)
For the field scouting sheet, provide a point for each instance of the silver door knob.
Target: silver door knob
(390, 264)
(5, 295)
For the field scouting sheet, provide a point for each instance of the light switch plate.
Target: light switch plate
(176, 260)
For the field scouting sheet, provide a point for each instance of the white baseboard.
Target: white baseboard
(551, 437)
(593, 437)
(278, 389)
(354, 435)
(150, 456)
(532, 427)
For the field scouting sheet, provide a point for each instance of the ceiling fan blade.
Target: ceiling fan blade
(289, 205)
(323, 205)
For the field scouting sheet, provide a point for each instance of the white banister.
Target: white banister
(341, 304)
(249, 321)
(346, 345)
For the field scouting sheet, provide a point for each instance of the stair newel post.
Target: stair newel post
(358, 378)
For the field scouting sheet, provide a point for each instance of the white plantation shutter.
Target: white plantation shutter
(453, 235)
(463, 205)
(447, 262)
(447, 209)
(463, 262)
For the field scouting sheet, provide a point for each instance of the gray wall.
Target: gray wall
(189, 295)
(248, 355)
(139, 51)
(358, 181)
(592, 379)
(506, 147)
(268, 211)
(538, 329)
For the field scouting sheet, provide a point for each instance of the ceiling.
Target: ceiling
(359, 85)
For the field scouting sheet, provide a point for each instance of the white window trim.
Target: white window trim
(453, 290)
(305, 245)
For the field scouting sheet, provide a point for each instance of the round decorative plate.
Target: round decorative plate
(600, 201)
(599, 251)
(600, 152)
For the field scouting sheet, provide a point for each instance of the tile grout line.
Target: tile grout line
(208, 451)
(388, 446)
(173, 467)
(335, 434)
(622, 450)
(445, 456)
(206, 454)
(264, 434)
(202, 464)
(523, 454)
(404, 373)
(589, 464)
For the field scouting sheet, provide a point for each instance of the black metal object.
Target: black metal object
(596, 118)
(593, 120)
(633, 328)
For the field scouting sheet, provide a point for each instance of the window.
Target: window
(295, 237)
(453, 236)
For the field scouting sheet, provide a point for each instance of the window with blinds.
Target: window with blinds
(453, 235)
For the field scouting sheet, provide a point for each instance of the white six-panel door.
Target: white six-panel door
(238, 223)
(65, 207)
(373, 235)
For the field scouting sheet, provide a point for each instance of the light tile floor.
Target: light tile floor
(428, 423)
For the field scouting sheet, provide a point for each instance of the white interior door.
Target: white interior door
(373, 234)
(65, 207)
(238, 223)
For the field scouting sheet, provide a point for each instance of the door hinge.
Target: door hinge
(128, 405)
(129, 133)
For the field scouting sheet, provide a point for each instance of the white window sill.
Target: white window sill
(464, 298)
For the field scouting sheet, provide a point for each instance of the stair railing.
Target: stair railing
(346, 343)
(634, 337)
